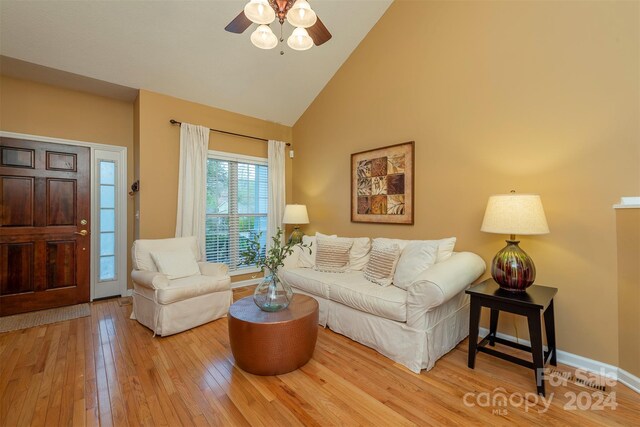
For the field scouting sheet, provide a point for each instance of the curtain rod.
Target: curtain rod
(175, 122)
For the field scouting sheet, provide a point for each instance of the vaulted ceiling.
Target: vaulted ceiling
(180, 48)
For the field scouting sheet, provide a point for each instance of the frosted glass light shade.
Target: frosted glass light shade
(301, 15)
(515, 214)
(259, 11)
(295, 214)
(300, 40)
(264, 38)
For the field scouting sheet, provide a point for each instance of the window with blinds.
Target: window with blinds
(236, 207)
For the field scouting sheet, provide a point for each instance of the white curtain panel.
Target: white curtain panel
(276, 188)
(192, 184)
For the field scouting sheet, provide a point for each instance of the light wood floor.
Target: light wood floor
(108, 370)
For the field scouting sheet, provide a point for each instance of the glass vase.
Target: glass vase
(272, 294)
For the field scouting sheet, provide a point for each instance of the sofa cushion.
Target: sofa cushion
(186, 288)
(308, 280)
(416, 257)
(382, 263)
(355, 291)
(332, 254)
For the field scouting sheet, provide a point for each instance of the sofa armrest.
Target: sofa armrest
(440, 283)
(291, 261)
(215, 269)
(150, 279)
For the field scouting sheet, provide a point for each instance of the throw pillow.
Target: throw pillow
(176, 264)
(306, 259)
(332, 254)
(416, 257)
(386, 241)
(445, 248)
(382, 263)
(359, 254)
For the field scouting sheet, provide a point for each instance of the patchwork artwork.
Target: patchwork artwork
(382, 185)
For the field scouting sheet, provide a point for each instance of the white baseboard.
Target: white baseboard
(629, 380)
(127, 293)
(244, 283)
(580, 362)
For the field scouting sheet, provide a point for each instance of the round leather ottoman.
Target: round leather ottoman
(266, 343)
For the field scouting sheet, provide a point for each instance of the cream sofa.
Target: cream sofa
(414, 327)
(169, 305)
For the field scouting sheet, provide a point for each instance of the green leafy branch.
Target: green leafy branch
(274, 257)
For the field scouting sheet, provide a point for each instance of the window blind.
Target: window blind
(237, 201)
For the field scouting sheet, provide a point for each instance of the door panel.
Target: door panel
(18, 278)
(61, 264)
(17, 201)
(61, 161)
(61, 202)
(18, 157)
(44, 260)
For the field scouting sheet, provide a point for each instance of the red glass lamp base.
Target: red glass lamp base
(512, 268)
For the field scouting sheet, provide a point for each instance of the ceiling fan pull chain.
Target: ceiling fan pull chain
(281, 37)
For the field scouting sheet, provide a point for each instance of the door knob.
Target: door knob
(81, 232)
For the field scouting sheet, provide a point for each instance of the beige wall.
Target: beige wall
(38, 109)
(159, 148)
(539, 97)
(628, 232)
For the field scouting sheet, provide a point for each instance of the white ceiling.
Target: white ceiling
(180, 48)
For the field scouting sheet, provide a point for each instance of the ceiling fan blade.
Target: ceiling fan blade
(239, 24)
(319, 33)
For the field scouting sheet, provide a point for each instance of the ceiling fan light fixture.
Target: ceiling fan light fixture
(264, 38)
(300, 39)
(260, 12)
(301, 14)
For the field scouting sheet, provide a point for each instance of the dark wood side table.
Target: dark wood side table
(265, 343)
(531, 303)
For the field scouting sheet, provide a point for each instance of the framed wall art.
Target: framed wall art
(382, 185)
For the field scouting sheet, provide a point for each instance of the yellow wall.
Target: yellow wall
(539, 97)
(628, 232)
(38, 109)
(159, 148)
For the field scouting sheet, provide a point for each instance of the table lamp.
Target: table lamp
(514, 214)
(295, 214)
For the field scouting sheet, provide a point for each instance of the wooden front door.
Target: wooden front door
(44, 225)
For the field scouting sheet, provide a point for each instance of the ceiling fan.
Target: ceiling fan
(309, 30)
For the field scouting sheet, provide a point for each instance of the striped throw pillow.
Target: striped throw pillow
(332, 254)
(382, 263)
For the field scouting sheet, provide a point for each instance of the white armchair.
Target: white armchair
(168, 304)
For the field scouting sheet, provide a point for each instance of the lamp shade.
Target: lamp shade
(295, 214)
(515, 214)
(300, 39)
(264, 38)
(260, 12)
(301, 14)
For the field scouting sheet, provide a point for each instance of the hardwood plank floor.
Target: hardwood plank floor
(108, 370)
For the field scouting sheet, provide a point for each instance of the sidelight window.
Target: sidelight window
(107, 221)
